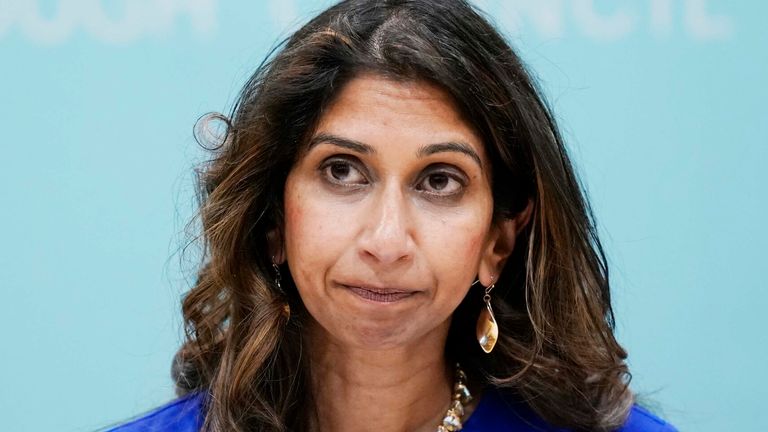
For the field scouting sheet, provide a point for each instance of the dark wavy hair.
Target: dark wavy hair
(556, 350)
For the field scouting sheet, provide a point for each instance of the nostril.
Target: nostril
(386, 250)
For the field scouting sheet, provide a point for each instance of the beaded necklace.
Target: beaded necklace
(461, 396)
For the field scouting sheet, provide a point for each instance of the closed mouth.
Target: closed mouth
(380, 295)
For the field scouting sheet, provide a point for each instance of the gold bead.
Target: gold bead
(458, 408)
(452, 420)
(452, 423)
(461, 393)
(460, 376)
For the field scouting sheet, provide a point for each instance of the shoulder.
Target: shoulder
(181, 415)
(642, 420)
(502, 412)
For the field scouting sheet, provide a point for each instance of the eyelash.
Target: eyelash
(450, 174)
(337, 161)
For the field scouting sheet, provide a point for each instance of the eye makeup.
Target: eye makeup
(343, 171)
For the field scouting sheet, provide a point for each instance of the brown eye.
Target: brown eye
(342, 172)
(438, 181)
(442, 183)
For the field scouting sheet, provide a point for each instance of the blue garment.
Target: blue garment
(495, 412)
(182, 415)
(499, 413)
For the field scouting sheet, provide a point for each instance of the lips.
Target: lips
(379, 294)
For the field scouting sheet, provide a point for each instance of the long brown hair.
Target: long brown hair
(556, 351)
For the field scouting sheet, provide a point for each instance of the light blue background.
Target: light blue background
(663, 103)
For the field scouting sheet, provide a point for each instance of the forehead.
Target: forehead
(381, 111)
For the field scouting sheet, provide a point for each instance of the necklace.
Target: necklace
(461, 396)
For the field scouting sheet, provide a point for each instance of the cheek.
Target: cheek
(464, 250)
(309, 223)
(455, 246)
(313, 236)
(301, 232)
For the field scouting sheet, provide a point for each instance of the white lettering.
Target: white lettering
(130, 20)
(703, 26)
(601, 27)
(545, 15)
(6, 16)
(661, 17)
(122, 30)
(47, 31)
(202, 13)
(136, 18)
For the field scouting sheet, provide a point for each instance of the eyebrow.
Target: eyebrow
(427, 150)
(347, 143)
(451, 146)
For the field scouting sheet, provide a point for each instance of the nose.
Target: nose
(386, 237)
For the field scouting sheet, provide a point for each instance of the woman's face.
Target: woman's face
(388, 214)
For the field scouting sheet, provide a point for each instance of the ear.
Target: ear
(500, 244)
(275, 245)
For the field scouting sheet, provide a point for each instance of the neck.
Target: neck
(360, 389)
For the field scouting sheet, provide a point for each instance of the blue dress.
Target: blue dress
(494, 413)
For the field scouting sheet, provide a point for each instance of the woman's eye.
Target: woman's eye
(343, 172)
(441, 183)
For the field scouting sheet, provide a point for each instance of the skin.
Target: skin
(388, 221)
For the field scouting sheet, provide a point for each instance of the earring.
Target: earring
(487, 330)
(278, 280)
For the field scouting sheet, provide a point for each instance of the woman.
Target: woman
(396, 241)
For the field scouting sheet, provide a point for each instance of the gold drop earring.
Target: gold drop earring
(487, 329)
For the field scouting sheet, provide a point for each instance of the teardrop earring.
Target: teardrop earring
(487, 329)
(278, 280)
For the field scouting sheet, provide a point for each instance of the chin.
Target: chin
(404, 332)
